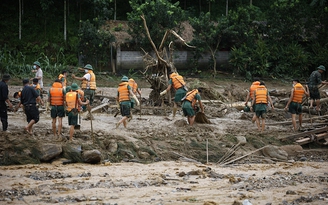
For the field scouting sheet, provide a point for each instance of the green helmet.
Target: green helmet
(74, 87)
(37, 63)
(88, 66)
(125, 79)
(246, 109)
(68, 88)
(321, 67)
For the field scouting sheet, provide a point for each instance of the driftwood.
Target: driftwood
(279, 93)
(312, 138)
(186, 159)
(238, 158)
(99, 107)
(305, 134)
(303, 120)
(228, 154)
(162, 65)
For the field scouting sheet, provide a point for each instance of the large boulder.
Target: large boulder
(91, 156)
(292, 150)
(275, 152)
(50, 151)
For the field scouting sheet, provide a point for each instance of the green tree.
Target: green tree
(161, 15)
(94, 44)
(208, 35)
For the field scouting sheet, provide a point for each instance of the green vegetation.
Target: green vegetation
(273, 38)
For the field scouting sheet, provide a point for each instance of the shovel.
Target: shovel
(89, 111)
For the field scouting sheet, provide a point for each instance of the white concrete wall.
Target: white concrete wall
(182, 59)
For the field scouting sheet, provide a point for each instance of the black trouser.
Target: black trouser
(3, 115)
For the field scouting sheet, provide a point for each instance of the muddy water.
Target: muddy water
(159, 183)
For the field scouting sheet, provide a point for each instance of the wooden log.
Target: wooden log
(305, 134)
(304, 120)
(99, 107)
(313, 138)
(279, 93)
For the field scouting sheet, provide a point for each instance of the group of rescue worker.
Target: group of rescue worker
(64, 100)
(261, 100)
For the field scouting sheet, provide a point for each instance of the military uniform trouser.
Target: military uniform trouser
(3, 115)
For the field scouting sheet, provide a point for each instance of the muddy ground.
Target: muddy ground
(159, 159)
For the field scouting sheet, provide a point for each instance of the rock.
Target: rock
(144, 155)
(180, 123)
(72, 152)
(247, 202)
(210, 203)
(112, 147)
(290, 192)
(242, 140)
(275, 152)
(50, 151)
(181, 174)
(236, 203)
(91, 156)
(303, 159)
(292, 150)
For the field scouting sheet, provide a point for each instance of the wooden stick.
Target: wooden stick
(89, 110)
(238, 158)
(229, 155)
(206, 151)
(228, 152)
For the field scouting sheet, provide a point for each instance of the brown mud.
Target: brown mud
(159, 159)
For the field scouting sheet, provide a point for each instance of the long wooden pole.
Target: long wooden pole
(238, 158)
(206, 151)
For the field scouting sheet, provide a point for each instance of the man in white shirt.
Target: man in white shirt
(38, 75)
(88, 84)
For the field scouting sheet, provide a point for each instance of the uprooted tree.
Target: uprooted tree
(157, 68)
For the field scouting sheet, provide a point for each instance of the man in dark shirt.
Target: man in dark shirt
(3, 100)
(314, 82)
(29, 99)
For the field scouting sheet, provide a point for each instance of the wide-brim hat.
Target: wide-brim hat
(321, 67)
(74, 86)
(125, 79)
(37, 63)
(6, 77)
(88, 66)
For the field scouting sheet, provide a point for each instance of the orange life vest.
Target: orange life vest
(123, 92)
(177, 80)
(133, 85)
(191, 97)
(253, 87)
(91, 83)
(37, 87)
(81, 93)
(298, 93)
(60, 78)
(71, 98)
(56, 94)
(261, 95)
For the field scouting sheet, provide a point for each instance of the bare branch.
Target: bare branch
(151, 41)
(164, 39)
(181, 39)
